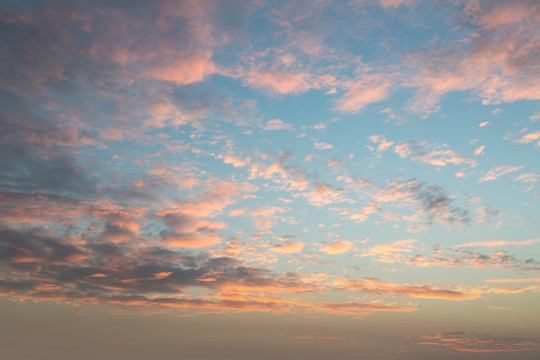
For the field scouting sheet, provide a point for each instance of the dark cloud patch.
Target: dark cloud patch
(437, 204)
(470, 258)
(42, 266)
(28, 247)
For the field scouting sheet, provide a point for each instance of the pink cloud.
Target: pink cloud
(498, 61)
(433, 154)
(211, 202)
(367, 90)
(338, 247)
(374, 286)
(276, 124)
(383, 144)
(498, 243)
(497, 172)
(192, 240)
(395, 3)
(265, 217)
(162, 275)
(234, 160)
(288, 247)
(479, 150)
(280, 172)
(530, 137)
(391, 252)
(322, 145)
(281, 82)
(526, 280)
(324, 194)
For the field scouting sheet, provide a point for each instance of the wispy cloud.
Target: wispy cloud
(498, 243)
(464, 342)
(499, 171)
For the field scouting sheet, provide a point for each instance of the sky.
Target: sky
(256, 179)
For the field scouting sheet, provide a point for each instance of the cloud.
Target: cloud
(526, 280)
(293, 177)
(499, 171)
(529, 138)
(527, 178)
(374, 286)
(396, 3)
(264, 218)
(191, 69)
(382, 143)
(113, 188)
(323, 146)
(498, 243)
(324, 194)
(362, 92)
(426, 205)
(191, 240)
(464, 257)
(281, 82)
(479, 150)
(337, 247)
(153, 278)
(464, 342)
(390, 252)
(288, 247)
(234, 160)
(276, 124)
(433, 154)
(507, 76)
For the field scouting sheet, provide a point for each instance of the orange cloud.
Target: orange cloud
(511, 291)
(162, 275)
(338, 247)
(288, 247)
(183, 71)
(525, 280)
(390, 252)
(192, 240)
(495, 243)
(530, 137)
(264, 218)
(479, 150)
(324, 194)
(374, 286)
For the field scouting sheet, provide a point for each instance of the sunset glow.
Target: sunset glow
(257, 179)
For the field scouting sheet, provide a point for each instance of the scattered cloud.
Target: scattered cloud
(288, 247)
(323, 146)
(479, 150)
(464, 342)
(498, 243)
(337, 247)
(276, 124)
(499, 171)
